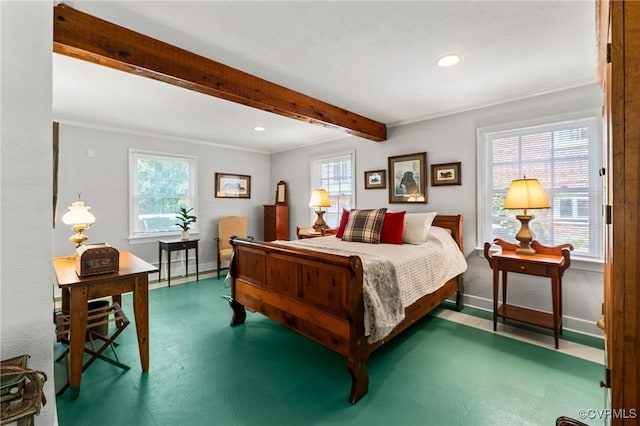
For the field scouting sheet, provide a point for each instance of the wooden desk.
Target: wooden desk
(548, 262)
(77, 291)
(308, 232)
(173, 245)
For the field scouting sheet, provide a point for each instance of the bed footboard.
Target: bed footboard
(320, 296)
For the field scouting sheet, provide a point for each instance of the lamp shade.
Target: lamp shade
(526, 194)
(78, 214)
(319, 198)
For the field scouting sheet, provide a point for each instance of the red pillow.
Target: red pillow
(343, 223)
(392, 228)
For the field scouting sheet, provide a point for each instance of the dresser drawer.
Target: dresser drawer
(524, 267)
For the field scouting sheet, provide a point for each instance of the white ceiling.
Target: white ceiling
(376, 59)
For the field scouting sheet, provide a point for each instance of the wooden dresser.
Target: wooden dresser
(276, 222)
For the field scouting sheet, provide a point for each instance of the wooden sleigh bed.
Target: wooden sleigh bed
(320, 296)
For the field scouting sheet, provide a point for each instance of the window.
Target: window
(159, 184)
(565, 157)
(335, 174)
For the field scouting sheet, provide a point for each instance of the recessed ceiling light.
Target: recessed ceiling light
(259, 129)
(449, 60)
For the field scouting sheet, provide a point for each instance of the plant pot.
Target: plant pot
(185, 235)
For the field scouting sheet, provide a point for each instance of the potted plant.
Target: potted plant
(184, 221)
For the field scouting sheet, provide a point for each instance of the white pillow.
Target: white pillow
(416, 227)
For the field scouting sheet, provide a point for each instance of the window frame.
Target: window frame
(134, 154)
(333, 212)
(484, 204)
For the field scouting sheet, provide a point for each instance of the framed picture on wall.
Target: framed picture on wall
(375, 179)
(408, 178)
(446, 174)
(233, 186)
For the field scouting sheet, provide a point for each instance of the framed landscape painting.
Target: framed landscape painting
(233, 186)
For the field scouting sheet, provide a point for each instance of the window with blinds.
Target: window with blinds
(335, 174)
(565, 157)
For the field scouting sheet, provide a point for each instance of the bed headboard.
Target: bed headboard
(453, 223)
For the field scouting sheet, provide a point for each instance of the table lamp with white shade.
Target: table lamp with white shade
(319, 199)
(80, 219)
(525, 194)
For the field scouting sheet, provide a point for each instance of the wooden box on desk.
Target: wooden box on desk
(93, 259)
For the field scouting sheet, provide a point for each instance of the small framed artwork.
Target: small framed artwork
(233, 186)
(281, 192)
(446, 174)
(375, 179)
(408, 178)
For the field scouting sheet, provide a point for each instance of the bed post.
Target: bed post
(357, 366)
(239, 313)
(460, 293)
(358, 347)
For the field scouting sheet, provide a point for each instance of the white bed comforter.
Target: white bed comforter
(395, 276)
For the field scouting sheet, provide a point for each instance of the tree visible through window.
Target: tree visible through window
(564, 157)
(159, 185)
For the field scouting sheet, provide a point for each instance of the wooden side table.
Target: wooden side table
(173, 245)
(548, 262)
(308, 232)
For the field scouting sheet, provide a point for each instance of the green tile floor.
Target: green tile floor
(204, 372)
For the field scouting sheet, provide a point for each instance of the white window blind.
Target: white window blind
(159, 184)
(335, 174)
(565, 157)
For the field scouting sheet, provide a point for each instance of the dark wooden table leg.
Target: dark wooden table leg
(159, 262)
(496, 278)
(168, 267)
(186, 262)
(197, 272)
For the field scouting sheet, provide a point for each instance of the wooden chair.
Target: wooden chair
(229, 226)
(98, 337)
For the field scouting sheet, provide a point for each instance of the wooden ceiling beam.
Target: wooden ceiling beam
(86, 37)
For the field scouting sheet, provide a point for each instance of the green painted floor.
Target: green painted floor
(204, 372)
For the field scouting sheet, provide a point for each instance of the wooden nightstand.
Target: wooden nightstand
(309, 232)
(548, 262)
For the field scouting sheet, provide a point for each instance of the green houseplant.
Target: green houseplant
(184, 221)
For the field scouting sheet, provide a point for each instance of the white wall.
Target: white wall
(103, 181)
(449, 139)
(26, 291)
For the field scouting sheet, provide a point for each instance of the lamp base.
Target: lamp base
(320, 224)
(525, 250)
(524, 235)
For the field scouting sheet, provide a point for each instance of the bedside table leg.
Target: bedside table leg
(496, 277)
(555, 288)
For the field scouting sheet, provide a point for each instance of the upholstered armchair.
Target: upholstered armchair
(229, 226)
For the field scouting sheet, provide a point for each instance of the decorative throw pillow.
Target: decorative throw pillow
(343, 223)
(364, 226)
(416, 227)
(392, 228)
